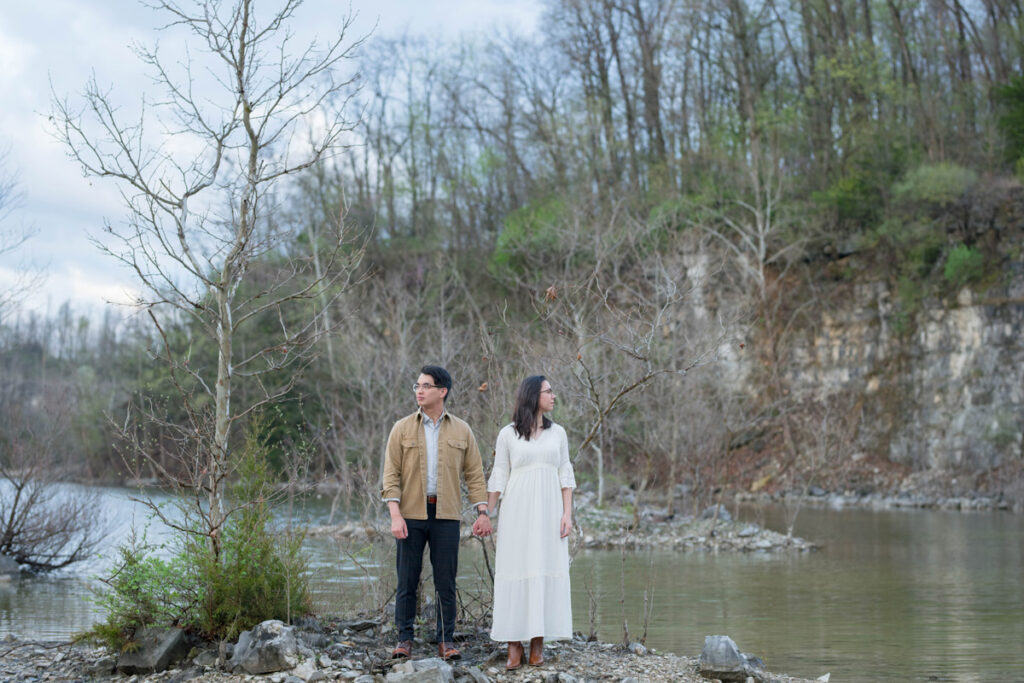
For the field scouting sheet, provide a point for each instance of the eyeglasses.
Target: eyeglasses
(417, 387)
(548, 391)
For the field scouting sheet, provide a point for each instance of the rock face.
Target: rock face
(271, 646)
(941, 390)
(158, 648)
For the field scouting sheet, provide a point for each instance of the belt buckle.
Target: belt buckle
(432, 500)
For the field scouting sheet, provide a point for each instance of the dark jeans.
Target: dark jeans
(443, 537)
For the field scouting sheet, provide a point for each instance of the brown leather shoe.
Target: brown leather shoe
(447, 651)
(536, 651)
(403, 650)
(515, 656)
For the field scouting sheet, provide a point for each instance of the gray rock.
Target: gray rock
(318, 676)
(303, 670)
(365, 678)
(630, 679)
(551, 677)
(638, 649)
(566, 678)
(9, 568)
(186, 675)
(314, 641)
(103, 666)
(748, 531)
(207, 658)
(722, 659)
(308, 624)
(423, 676)
(269, 647)
(359, 625)
(475, 674)
(157, 648)
(723, 514)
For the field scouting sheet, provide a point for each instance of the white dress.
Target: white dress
(531, 566)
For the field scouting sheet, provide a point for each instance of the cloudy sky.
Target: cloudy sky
(58, 44)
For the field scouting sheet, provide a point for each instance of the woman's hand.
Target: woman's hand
(565, 528)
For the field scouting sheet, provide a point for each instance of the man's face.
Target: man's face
(429, 398)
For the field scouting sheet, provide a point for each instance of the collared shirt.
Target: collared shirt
(432, 430)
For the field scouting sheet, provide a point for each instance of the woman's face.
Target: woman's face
(546, 402)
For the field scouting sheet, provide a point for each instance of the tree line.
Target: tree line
(621, 201)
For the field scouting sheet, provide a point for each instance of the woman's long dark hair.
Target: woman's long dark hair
(524, 417)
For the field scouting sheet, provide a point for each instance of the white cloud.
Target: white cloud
(66, 41)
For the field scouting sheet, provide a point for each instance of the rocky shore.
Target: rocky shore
(903, 499)
(354, 651)
(617, 526)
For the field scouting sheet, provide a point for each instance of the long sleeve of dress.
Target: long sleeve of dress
(502, 464)
(566, 476)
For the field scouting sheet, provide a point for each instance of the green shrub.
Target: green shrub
(531, 230)
(255, 575)
(853, 197)
(964, 266)
(143, 590)
(934, 184)
(258, 575)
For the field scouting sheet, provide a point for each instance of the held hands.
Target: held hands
(482, 526)
(565, 527)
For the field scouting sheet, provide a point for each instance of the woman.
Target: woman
(534, 478)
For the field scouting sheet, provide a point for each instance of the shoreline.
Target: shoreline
(356, 651)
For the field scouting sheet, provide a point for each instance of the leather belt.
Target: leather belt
(432, 500)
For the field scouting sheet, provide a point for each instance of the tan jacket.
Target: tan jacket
(405, 467)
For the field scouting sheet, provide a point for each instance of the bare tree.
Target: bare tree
(12, 237)
(241, 109)
(43, 525)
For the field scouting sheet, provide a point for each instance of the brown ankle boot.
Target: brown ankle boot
(536, 651)
(515, 656)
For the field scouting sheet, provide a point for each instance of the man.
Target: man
(427, 455)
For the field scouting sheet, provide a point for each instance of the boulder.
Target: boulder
(269, 647)
(722, 659)
(433, 670)
(157, 648)
(426, 676)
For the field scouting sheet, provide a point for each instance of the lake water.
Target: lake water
(891, 596)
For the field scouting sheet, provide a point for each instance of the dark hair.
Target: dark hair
(524, 416)
(440, 376)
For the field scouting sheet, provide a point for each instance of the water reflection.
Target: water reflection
(892, 596)
(903, 595)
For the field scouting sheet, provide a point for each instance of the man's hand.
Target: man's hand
(565, 527)
(398, 528)
(482, 526)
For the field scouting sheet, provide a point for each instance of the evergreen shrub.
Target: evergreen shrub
(256, 574)
(964, 266)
